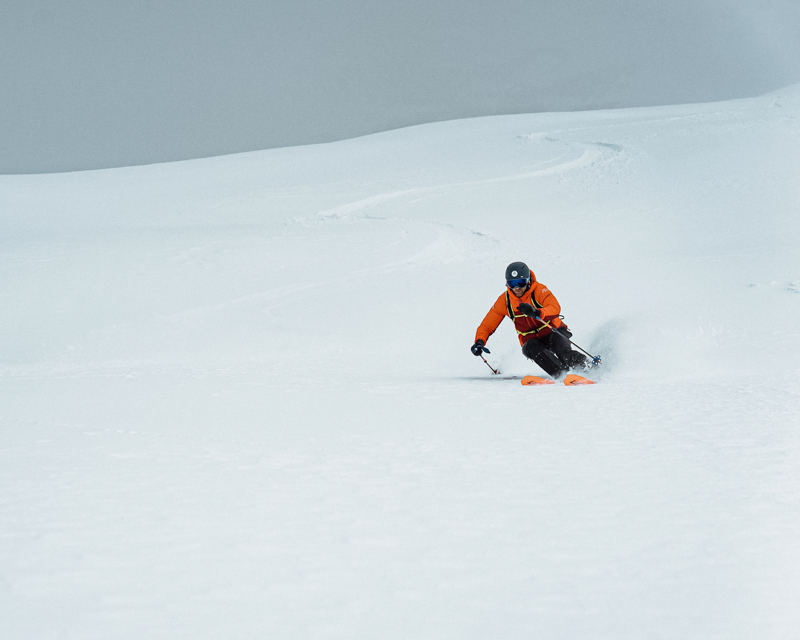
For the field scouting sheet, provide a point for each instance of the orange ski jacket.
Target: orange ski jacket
(539, 297)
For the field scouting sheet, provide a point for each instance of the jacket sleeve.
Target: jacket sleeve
(492, 320)
(550, 306)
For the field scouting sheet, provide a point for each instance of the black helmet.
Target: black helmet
(517, 270)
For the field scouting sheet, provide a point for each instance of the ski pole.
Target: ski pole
(595, 359)
(494, 371)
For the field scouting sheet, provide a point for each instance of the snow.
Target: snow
(237, 398)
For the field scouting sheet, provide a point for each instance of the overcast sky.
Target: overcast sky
(96, 83)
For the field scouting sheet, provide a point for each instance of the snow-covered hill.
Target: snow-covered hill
(237, 398)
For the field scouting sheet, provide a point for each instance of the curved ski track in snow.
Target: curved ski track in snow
(448, 243)
(590, 153)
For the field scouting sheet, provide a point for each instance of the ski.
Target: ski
(536, 380)
(572, 380)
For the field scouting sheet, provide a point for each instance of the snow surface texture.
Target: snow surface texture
(237, 398)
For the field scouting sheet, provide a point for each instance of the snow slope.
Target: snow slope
(237, 398)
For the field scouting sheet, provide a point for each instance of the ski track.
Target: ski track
(370, 208)
(360, 208)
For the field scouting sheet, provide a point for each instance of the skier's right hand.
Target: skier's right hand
(526, 309)
(478, 348)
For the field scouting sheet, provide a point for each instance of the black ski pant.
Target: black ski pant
(553, 352)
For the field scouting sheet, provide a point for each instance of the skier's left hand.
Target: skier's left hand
(527, 310)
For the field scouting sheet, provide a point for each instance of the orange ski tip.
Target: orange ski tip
(531, 380)
(573, 380)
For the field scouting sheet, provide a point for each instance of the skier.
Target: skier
(528, 302)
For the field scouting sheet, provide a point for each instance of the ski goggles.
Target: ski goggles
(518, 282)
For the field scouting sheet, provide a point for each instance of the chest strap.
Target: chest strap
(513, 317)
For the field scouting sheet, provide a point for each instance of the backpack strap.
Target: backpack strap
(509, 309)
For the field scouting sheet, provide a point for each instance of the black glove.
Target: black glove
(527, 310)
(478, 348)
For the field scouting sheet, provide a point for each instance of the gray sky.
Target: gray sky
(97, 83)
